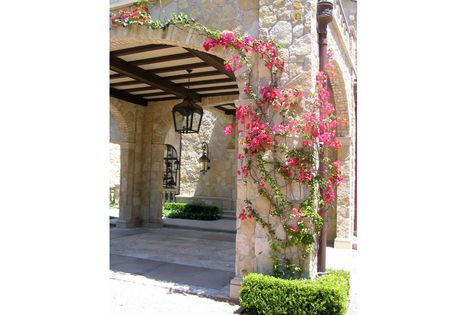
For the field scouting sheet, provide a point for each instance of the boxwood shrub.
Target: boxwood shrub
(328, 295)
(184, 210)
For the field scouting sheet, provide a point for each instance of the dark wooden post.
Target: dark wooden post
(324, 16)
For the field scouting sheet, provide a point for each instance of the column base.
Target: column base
(156, 224)
(127, 224)
(343, 243)
(235, 287)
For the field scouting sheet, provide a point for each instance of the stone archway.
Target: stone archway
(345, 193)
(122, 132)
(157, 118)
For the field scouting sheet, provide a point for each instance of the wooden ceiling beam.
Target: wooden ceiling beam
(214, 61)
(131, 82)
(140, 89)
(226, 111)
(135, 99)
(163, 99)
(210, 89)
(204, 82)
(148, 88)
(154, 94)
(175, 57)
(216, 88)
(169, 69)
(137, 73)
(236, 93)
(194, 75)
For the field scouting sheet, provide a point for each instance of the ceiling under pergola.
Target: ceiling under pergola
(157, 72)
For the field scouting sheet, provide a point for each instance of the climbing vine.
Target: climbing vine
(285, 138)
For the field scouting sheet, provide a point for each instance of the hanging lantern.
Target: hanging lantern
(187, 115)
(204, 159)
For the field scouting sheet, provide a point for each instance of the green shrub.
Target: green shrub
(184, 210)
(269, 295)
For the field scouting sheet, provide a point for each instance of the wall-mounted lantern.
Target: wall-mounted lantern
(187, 115)
(204, 159)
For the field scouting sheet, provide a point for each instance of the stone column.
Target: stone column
(156, 186)
(128, 216)
(345, 196)
(245, 230)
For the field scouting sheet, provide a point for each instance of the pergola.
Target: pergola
(158, 72)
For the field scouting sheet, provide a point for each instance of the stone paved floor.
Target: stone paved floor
(196, 260)
(189, 261)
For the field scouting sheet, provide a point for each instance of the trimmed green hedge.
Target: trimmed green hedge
(184, 210)
(269, 295)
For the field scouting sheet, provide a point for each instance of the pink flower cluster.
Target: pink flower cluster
(244, 214)
(267, 49)
(279, 98)
(137, 14)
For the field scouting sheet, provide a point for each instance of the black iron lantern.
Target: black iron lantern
(187, 115)
(171, 166)
(204, 159)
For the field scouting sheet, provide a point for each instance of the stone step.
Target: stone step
(228, 214)
(227, 211)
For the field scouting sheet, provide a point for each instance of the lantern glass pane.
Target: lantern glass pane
(196, 121)
(179, 120)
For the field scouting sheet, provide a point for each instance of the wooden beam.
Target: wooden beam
(169, 69)
(194, 75)
(215, 62)
(148, 88)
(154, 94)
(116, 76)
(216, 88)
(226, 111)
(132, 82)
(163, 99)
(209, 89)
(140, 89)
(148, 61)
(139, 49)
(197, 65)
(236, 93)
(137, 73)
(214, 81)
(135, 99)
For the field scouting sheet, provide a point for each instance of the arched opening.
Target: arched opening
(149, 77)
(119, 132)
(341, 227)
(171, 174)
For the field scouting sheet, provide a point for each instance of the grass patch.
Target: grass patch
(328, 295)
(182, 210)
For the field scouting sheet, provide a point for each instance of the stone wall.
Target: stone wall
(219, 179)
(241, 15)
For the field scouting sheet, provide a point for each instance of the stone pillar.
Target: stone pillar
(128, 215)
(291, 23)
(156, 186)
(245, 260)
(345, 198)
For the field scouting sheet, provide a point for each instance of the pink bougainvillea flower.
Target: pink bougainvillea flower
(293, 228)
(228, 130)
(296, 212)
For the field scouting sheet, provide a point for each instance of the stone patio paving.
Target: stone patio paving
(182, 259)
(190, 261)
